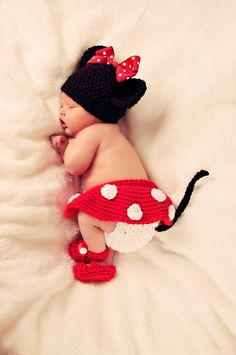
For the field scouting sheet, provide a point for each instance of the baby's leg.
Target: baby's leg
(92, 230)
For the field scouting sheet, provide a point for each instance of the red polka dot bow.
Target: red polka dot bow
(124, 70)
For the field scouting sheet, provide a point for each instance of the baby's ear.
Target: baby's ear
(88, 54)
(128, 93)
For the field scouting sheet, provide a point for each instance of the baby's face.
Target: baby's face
(74, 117)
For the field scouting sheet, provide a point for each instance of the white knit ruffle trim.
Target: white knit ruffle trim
(127, 237)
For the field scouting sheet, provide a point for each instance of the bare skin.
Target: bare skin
(98, 152)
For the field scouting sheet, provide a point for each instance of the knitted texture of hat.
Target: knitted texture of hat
(97, 90)
(92, 87)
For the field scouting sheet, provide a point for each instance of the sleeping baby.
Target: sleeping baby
(119, 208)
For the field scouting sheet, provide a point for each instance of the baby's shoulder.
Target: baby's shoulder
(102, 129)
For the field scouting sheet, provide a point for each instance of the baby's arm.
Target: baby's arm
(59, 143)
(80, 151)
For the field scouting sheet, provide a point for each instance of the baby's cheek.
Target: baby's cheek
(74, 118)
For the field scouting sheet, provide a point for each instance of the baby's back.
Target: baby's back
(115, 158)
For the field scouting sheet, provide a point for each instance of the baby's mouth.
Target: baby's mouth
(63, 124)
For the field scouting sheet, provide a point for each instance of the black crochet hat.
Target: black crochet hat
(95, 87)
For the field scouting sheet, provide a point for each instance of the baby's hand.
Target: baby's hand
(59, 143)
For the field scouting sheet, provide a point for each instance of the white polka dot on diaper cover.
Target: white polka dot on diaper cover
(73, 197)
(171, 212)
(135, 212)
(109, 191)
(158, 195)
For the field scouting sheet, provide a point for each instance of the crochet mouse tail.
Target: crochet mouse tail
(185, 200)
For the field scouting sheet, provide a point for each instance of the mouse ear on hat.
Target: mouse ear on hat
(87, 55)
(128, 93)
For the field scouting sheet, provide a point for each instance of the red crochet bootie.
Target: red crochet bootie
(78, 250)
(94, 272)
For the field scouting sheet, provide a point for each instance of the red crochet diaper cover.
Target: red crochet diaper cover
(137, 206)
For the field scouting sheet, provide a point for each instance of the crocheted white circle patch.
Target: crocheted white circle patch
(171, 212)
(83, 251)
(134, 212)
(73, 197)
(109, 191)
(158, 195)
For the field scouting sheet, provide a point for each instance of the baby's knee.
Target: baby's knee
(105, 226)
(84, 219)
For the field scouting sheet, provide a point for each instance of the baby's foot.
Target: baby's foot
(59, 142)
(78, 250)
(93, 272)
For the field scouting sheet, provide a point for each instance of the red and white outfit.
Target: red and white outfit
(138, 206)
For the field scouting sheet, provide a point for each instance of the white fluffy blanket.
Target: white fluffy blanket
(177, 295)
